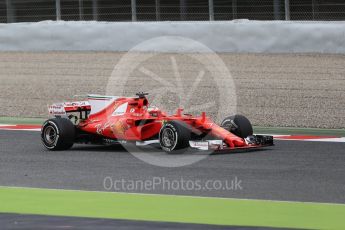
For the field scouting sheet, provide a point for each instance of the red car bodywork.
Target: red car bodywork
(131, 119)
(124, 126)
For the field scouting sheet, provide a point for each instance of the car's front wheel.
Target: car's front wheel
(58, 134)
(238, 125)
(174, 137)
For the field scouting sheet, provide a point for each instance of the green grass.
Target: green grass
(21, 121)
(168, 208)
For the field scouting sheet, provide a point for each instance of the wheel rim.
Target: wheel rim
(50, 135)
(168, 138)
(230, 125)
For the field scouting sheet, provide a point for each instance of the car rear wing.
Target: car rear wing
(94, 104)
(62, 109)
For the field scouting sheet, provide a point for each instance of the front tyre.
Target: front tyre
(58, 134)
(238, 125)
(174, 137)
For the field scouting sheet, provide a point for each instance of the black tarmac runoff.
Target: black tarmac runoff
(37, 222)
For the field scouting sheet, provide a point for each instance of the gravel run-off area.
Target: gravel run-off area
(294, 90)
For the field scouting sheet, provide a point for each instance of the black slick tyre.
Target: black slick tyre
(238, 125)
(58, 134)
(174, 136)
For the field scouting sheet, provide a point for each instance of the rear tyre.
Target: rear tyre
(58, 134)
(174, 137)
(238, 125)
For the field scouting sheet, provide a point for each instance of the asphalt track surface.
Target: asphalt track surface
(36, 222)
(290, 170)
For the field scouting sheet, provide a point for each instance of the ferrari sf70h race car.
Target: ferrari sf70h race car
(111, 119)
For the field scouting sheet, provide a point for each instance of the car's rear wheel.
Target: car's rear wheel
(238, 125)
(174, 137)
(58, 134)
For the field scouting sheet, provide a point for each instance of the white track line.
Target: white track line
(340, 139)
(9, 129)
(334, 139)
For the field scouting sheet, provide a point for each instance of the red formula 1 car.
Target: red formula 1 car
(110, 119)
